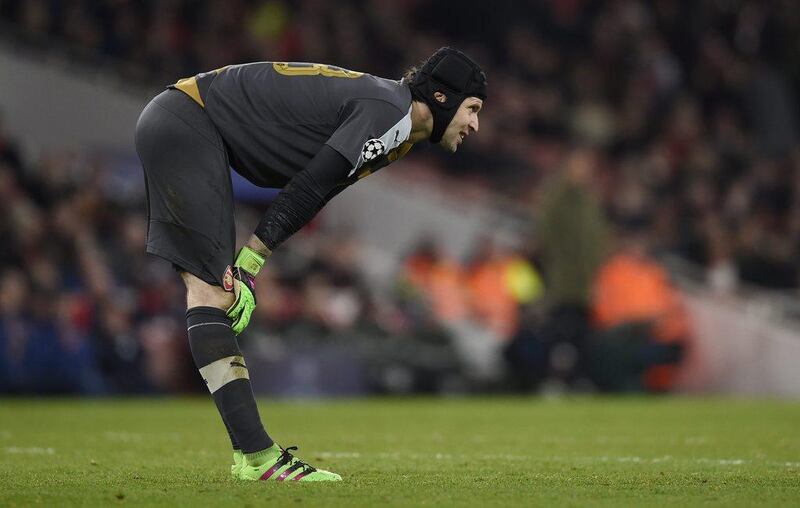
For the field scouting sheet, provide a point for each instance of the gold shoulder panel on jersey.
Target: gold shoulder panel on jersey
(400, 151)
(313, 69)
(190, 88)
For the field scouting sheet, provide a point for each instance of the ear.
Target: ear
(440, 97)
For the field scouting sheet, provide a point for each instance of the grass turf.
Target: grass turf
(409, 452)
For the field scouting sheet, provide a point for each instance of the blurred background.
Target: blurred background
(627, 219)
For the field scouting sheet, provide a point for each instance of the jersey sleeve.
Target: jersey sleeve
(305, 194)
(369, 129)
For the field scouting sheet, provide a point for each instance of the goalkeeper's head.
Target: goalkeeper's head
(454, 87)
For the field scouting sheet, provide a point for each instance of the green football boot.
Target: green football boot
(280, 465)
(238, 462)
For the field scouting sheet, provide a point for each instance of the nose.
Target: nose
(474, 124)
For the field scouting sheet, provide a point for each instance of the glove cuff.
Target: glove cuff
(249, 260)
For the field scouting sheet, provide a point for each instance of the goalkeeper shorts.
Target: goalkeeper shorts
(188, 180)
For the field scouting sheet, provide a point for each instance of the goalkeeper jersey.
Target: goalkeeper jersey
(275, 116)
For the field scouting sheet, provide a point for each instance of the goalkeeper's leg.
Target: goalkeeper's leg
(216, 354)
(191, 225)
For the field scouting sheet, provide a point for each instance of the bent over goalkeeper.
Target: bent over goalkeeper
(310, 129)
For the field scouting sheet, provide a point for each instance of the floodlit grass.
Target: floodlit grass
(409, 452)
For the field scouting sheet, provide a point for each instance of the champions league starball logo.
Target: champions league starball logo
(227, 279)
(373, 149)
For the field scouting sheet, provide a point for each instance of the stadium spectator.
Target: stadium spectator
(499, 282)
(642, 325)
(572, 232)
(438, 280)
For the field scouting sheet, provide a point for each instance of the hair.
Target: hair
(412, 71)
(410, 74)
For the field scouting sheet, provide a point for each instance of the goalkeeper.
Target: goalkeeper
(311, 130)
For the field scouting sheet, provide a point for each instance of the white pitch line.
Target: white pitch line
(339, 455)
(632, 459)
(138, 437)
(34, 450)
(669, 458)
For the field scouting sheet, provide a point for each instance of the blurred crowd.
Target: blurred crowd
(629, 128)
(83, 309)
(690, 106)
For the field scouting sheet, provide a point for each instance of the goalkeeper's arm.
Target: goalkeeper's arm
(305, 194)
(294, 207)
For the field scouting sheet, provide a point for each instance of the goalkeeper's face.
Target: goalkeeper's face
(464, 123)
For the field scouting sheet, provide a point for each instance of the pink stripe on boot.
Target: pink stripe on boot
(271, 471)
(285, 474)
(297, 478)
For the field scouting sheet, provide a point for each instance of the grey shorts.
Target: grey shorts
(188, 180)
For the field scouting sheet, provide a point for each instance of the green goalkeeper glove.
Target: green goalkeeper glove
(247, 265)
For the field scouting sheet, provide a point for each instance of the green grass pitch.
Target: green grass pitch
(409, 452)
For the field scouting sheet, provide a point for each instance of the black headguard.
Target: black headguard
(454, 74)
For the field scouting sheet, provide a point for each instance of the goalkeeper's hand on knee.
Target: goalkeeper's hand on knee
(247, 265)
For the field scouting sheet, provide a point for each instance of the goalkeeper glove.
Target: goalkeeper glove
(247, 265)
